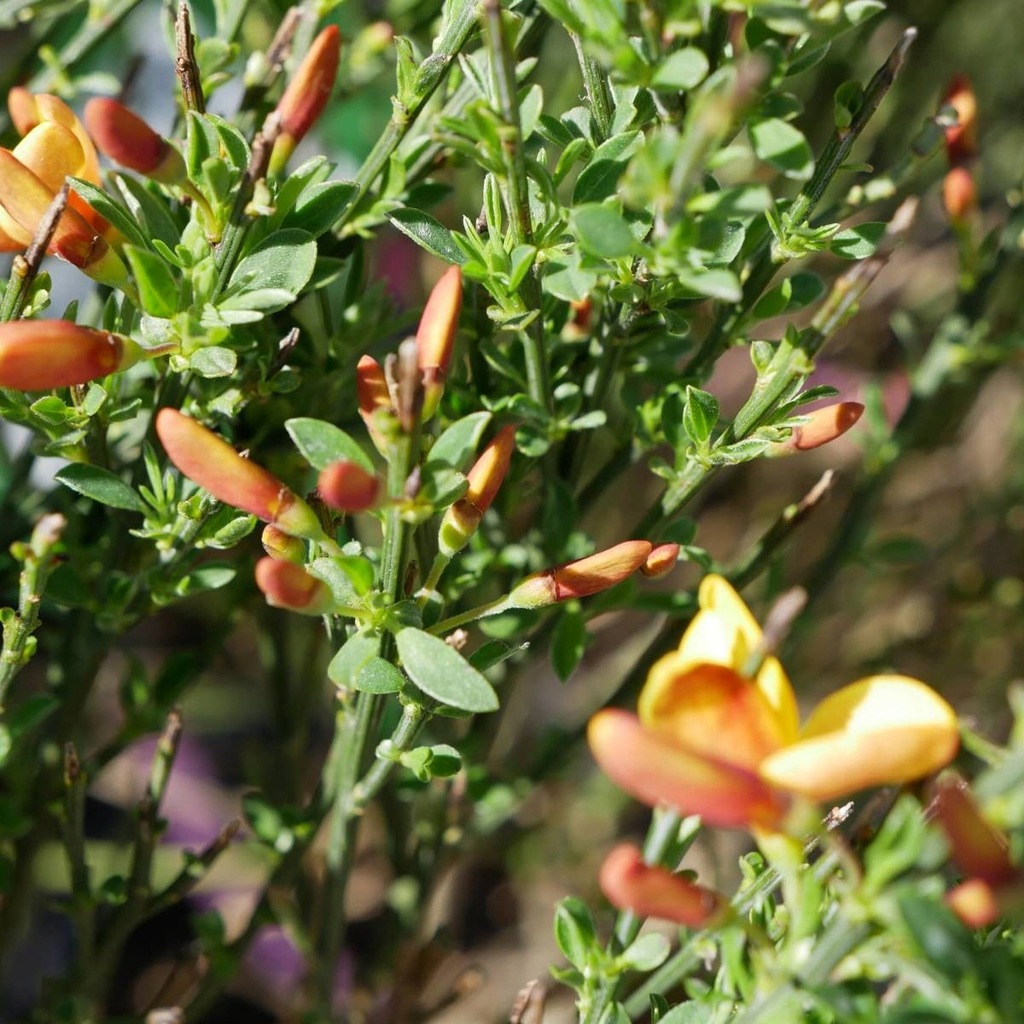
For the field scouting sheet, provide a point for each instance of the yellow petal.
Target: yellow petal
(774, 684)
(879, 731)
(712, 710)
(51, 152)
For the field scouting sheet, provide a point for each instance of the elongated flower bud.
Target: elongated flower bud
(650, 891)
(435, 337)
(462, 519)
(26, 199)
(823, 425)
(581, 578)
(128, 140)
(307, 95)
(959, 194)
(37, 355)
(373, 397)
(211, 462)
(661, 561)
(289, 586)
(347, 487)
(283, 546)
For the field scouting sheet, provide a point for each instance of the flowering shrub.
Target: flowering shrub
(466, 491)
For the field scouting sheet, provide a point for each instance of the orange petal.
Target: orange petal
(124, 137)
(630, 884)
(711, 710)
(661, 561)
(655, 771)
(37, 355)
(978, 848)
(52, 153)
(488, 472)
(975, 902)
(824, 425)
(347, 487)
(880, 731)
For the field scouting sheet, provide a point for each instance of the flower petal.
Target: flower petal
(655, 770)
(711, 710)
(978, 848)
(879, 731)
(649, 891)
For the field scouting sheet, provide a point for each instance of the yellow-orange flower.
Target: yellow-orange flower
(718, 731)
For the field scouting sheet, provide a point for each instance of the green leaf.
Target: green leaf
(214, 361)
(101, 485)
(700, 414)
(494, 652)
(427, 232)
(158, 289)
(320, 205)
(783, 147)
(567, 280)
(353, 654)
(379, 676)
(575, 932)
(603, 231)
(31, 712)
(597, 181)
(359, 571)
(442, 673)
(717, 283)
(647, 953)
(322, 443)
(283, 262)
(211, 576)
(109, 208)
(459, 441)
(857, 243)
(568, 643)
(683, 69)
(445, 761)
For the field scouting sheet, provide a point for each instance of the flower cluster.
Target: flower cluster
(718, 731)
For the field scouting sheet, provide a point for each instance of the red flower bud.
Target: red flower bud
(661, 561)
(289, 586)
(581, 578)
(435, 337)
(823, 425)
(212, 463)
(129, 141)
(651, 891)
(37, 355)
(307, 95)
(347, 487)
(962, 138)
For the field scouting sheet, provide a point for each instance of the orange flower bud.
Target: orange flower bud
(279, 544)
(307, 95)
(347, 487)
(289, 586)
(373, 396)
(962, 138)
(581, 578)
(823, 425)
(129, 141)
(462, 519)
(649, 891)
(978, 848)
(435, 337)
(212, 463)
(661, 561)
(37, 355)
(26, 198)
(959, 194)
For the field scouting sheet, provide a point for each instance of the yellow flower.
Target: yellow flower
(718, 731)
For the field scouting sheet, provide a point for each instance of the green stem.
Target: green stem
(517, 188)
(835, 154)
(18, 626)
(595, 82)
(471, 615)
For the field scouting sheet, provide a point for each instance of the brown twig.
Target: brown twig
(185, 62)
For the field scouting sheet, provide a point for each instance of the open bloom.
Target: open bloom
(994, 886)
(211, 462)
(718, 731)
